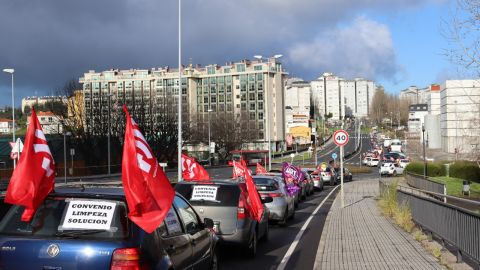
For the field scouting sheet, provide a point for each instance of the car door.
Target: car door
(199, 236)
(399, 169)
(176, 242)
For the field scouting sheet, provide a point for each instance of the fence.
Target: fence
(417, 181)
(454, 225)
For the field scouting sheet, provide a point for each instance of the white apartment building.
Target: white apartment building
(416, 118)
(433, 100)
(460, 116)
(332, 94)
(415, 95)
(35, 101)
(252, 91)
(6, 125)
(297, 110)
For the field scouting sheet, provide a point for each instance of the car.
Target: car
(229, 209)
(366, 160)
(373, 162)
(390, 168)
(283, 205)
(308, 181)
(347, 175)
(296, 196)
(317, 180)
(328, 175)
(65, 233)
(403, 162)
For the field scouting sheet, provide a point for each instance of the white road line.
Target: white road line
(292, 247)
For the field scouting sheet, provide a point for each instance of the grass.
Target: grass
(357, 169)
(298, 157)
(401, 214)
(455, 187)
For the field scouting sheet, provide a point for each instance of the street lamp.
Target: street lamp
(65, 134)
(424, 157)
(267, 126)
(109, 131)
(179, 135)
(209, 142)
(456, 132)
(11, 71)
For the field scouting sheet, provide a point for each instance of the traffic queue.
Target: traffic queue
(142, 221)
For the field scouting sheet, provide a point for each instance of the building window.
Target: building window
(260, 116)
(213, 99)
(229, 107)
(259, 67)
(240, 67)
(221, 98)
(229, 98)
(210, 70)
(252, 115)
(260, 106)
(213, 107)
(252, 106)
(244, 106)
(229, 88)
(221, 107)
(226, 70)
(260, 96)
(244, 97)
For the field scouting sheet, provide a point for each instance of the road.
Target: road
(272, 252)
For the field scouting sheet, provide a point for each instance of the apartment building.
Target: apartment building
(340, 97)
(460, 116)
(6, 125)
(297, 110)
(250, 91)
(433, 100)
(35, 101)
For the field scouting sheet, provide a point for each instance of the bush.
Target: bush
(433, 169)
(465, 170)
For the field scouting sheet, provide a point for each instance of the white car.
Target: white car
(373, 162)
(404, 162)
(366, 160)
(390, 168)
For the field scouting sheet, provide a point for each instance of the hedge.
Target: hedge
(465, 170)
(433, 169)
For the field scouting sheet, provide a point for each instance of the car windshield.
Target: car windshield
(69, 217)
(218, 195)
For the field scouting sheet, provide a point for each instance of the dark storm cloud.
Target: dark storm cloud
(51, 41)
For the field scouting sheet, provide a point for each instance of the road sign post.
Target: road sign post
(340, 138)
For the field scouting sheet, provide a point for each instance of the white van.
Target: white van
(387, 142)
(396, 146)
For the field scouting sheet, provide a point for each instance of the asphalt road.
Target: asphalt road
(271, 253)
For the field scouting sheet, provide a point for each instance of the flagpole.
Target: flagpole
(179, 157)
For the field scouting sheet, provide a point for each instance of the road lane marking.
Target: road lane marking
(292, 247)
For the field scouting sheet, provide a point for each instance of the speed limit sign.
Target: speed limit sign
(340, 137)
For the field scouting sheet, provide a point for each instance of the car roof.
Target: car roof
(227, 181)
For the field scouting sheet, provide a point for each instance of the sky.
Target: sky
(396, 43)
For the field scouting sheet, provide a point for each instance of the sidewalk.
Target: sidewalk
(359, 237)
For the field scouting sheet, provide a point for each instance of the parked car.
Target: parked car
(63, 234)
(283, 206)
(230, 211)
(390, 168)
(317, 180)
(347, 175)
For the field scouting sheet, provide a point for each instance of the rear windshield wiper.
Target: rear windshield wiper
(77, 233)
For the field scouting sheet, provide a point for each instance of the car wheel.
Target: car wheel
(292, 216)
(266, 236)
(214, 265)
(252, 246)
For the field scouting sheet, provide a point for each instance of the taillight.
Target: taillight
(127, 259)
(241, 209)
(272, 195)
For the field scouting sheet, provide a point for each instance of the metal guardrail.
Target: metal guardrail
(456, 226)
(418, 181)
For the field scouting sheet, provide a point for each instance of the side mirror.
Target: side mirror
(208, 222)
(267, 200)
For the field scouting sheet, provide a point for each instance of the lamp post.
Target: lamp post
(11, 71)
(209, 142)
(179, 135)
(456, 132)
(65, 134)
(108, 133)
(267, 126)
(424, 157)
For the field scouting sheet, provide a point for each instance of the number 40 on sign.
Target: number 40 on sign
(340, 137)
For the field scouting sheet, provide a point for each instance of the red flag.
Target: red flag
(34, 176)
(260, 169)
(148, 192)
(238, 169)
(253, 197)
(191, 170)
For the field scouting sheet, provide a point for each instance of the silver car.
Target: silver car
(283, 205)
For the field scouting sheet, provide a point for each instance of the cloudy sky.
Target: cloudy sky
(397, 43)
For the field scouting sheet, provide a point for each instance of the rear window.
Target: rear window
(265, 184)
(70, 218)
(223, 195)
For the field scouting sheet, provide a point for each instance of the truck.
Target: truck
(396, 146)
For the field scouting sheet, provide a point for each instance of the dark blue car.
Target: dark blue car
(88, 228)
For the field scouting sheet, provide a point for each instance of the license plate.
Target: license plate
(216, 227)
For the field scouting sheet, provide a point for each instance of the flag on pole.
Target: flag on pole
(148, 191)
(260, 169)
(191, 170)
(34, 177)
(253, 196)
